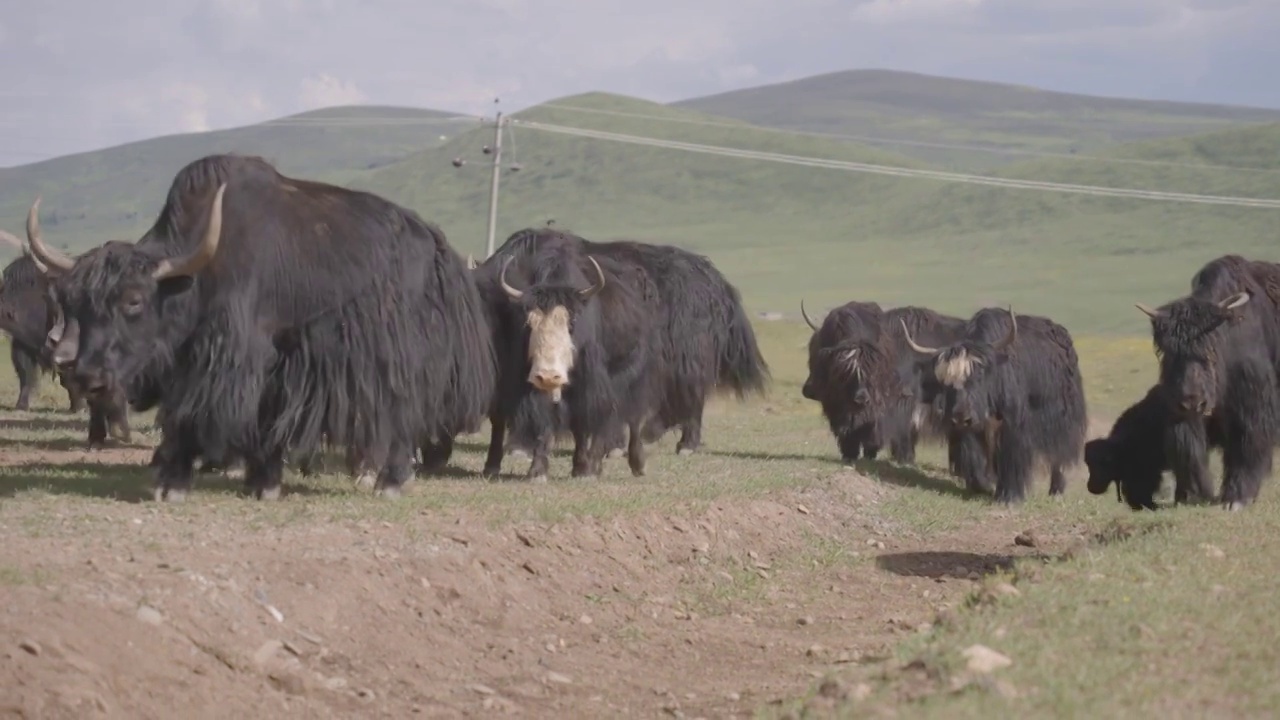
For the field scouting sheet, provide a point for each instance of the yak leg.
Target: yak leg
(497, 433)
(311, 464)
(1246, 461)
(1012, 460)
(396, 471)
(97, 426)
(635, 450)
(173, 461)
(691, 427)
(76, 400)
(436, 454)
(968, 459)
(541, 463)
(28, 372)
(1057, 481)
(263, 470)
(1187, 448)
(617, 443)
(850, 443)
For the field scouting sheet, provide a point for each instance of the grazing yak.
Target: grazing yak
(298, 310)
(863, 374)
(579, 349)
(28, 313)
(1015, 384)
(1133, 456)
(707, 342)
(1219, 354)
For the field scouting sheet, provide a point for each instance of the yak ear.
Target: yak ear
(171, 286)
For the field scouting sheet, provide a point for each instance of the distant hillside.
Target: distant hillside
(938, 110)
(783, 232)
(116, 192)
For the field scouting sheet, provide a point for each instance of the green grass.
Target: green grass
(922, 108)
(115, 193)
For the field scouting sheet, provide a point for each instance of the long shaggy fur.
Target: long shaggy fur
(617, 363)
(708, 344)
(847, 341)
(1025, 402)
(1133, 456)
(1229, 359)
(326, 311)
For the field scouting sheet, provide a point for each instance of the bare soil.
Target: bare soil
(120, 609)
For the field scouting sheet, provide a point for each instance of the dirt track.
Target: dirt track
(117, 609)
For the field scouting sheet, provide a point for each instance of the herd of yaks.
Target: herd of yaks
(264, 316)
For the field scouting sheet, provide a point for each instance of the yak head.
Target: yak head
(1100, 458)
(551, 312)
(110, 301)
(841, 372)
(964, 375)
(1188, 335)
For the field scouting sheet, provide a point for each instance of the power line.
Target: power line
(904, 172)
(910, 143)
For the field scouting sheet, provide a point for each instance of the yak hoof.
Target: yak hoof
(615, 453)
(391, 492)
(235, 473)
(1233, 506)
(684, 451)
(172, 495)
(539, 479)
(366, 480)
(517, 453)
(271, 493)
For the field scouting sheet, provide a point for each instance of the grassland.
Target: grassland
(1112, 614)
(114, 193)
(948, 111)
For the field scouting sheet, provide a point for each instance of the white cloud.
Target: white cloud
(324, 90)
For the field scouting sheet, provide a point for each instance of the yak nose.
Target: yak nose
(1195, 405)
(862, 397)
(960, 419)
(548, 379)
(806, 391)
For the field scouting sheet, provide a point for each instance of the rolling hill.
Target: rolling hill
(918, 108)
(781, 231)
(116, 192)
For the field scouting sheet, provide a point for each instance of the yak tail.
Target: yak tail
(742, 366)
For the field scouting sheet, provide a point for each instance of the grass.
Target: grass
(922, 108)
(1154, 622)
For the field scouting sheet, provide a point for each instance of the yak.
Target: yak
(862, 372)
(1219, 354)
(1014, 384)
(1133, 456)
(300, 310)
(578, 347)
(28, 314)
(708, 345)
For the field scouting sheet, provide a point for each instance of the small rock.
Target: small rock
(313, 639)
(1005, 588)
(482, 689)
(1213, 551)
(973, 575)
(959, 571)
(1026, 539)
(556, 677)
(802, 509)
(585, 620)
(807, 620)
(732, 697)
(289, 683)
(861, 691)
(365, 694)
(30, 646)
(982, 659)
(814, 651)
(335, 683)
(267, 651)
(831, 688)
(149, 615)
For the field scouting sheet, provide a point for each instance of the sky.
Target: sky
(78, 75)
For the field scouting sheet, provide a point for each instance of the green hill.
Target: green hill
(783, 232)
(116, 192)
(920, 108)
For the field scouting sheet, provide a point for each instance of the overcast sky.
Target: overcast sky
(77, 75)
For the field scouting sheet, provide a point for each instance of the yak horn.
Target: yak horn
(512, 293)
(49, 258)
(1012, 335)
(10, 239)
(597, 287)
(918, 348)
(471, 262)
(1234, 301)
(805, 315)
(1153, 314)
(200, 257)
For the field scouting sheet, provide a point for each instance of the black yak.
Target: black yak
(1014, 383)
(300, 309)
(1219, 354)
(708, 345)
(1133, 455)
(578, 347)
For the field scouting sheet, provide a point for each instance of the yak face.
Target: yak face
(1099, 457)
(551, 314)
(840, 372)
(108, 322)
(1188, 338)
(962, 375)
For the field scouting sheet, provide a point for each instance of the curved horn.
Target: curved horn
(1153, 314)
(597, 287)
(918, 348)
(1234, 301)
(1012, 335)
(471, 262)
(805, 315)
(195, 262)
(13, 240)
(51, 259)
(512, 293)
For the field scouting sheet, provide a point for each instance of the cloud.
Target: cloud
(75, 76)
(324, 90)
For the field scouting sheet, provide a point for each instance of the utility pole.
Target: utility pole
(493, 186)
